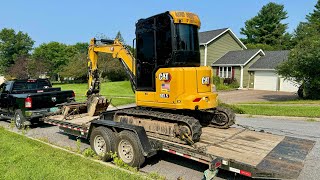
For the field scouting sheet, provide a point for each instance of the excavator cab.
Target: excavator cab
(162, 43)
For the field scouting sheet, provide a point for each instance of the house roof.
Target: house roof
(270, 61)
(205, 37)
(238, 58)
(209, 36)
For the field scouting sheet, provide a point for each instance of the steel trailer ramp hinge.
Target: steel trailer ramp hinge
(210, 174)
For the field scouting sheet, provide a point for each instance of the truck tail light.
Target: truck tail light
(73, 94)
(28, 102)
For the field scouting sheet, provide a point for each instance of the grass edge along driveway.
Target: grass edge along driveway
(24, 158)
(279, 110)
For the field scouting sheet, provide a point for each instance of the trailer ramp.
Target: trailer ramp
(250, 153)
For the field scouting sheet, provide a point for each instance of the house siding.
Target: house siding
(237, 73)
(202, 55)
(220, 47)
(215, 71)
(248, 78)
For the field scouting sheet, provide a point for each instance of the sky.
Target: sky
(72, 21)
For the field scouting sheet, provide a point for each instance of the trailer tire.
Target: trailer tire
(19, 119)
(102, 141)
(129, 150)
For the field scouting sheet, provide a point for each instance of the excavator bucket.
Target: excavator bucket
(96, 105)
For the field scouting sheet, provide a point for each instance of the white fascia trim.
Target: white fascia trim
(255, 69)
(260, 51)
(237, 39)
(217, 36)
(232, 34)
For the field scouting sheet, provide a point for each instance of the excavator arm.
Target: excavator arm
(119, 51)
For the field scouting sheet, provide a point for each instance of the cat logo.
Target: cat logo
(164, 77)
(205, 80)
(54, 99)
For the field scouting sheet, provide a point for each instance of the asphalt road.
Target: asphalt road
(174, 167)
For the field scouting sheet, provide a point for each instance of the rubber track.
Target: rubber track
(231, 116)
(191, 122)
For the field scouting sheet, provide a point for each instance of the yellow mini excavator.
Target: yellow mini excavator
(174, 95)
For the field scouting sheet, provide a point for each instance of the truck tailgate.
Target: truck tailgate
(49, 99)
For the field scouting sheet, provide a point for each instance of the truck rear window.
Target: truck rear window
(31, 84)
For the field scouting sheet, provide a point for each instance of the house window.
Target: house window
(225, 72)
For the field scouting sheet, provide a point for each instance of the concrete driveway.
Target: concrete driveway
(243, 96)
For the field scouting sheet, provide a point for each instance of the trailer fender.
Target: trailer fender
(144, 143)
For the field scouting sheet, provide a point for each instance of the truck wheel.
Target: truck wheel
(102, 141)
(19, 119)
(129, 150)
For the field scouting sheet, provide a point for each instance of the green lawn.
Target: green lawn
(120, 92)
(23, 158)
(296, 110)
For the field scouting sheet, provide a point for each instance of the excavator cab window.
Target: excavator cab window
(187, 51)
(146, 61)
(161, 44)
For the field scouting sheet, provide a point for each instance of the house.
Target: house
(216, 43)
(251, 68)
(265, 77)
(236, 64)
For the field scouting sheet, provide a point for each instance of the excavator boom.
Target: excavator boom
(118, 51)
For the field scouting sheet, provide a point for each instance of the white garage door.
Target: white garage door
(288, 86)
(265, 80)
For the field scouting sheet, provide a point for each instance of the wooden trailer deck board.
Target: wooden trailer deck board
(83, 119)
(241, 145)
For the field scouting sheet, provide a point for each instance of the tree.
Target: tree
(37, 67)
(81, 47)
(13, 46)
(19, 70)
(309, 28)
(77, 67)
(303, 66)
(261, 46)
(119, 37)
(55, 55)
(267, 27)
(314, 17)
(304, 60)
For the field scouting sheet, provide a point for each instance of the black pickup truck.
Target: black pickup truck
(25, 101)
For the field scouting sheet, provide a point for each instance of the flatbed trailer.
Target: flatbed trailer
(239, 150)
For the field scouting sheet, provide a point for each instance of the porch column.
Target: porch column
(205, 54)
(241, 78)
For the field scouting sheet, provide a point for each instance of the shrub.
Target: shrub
(116, 75)
(216, 80)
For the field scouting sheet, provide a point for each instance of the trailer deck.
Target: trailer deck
(247, 152)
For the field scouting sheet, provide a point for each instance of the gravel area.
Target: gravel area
(174, 167)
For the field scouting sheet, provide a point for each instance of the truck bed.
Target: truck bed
(243, 151)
